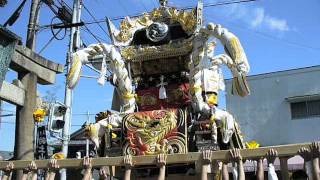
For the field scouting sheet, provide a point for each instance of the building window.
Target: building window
(305, 109)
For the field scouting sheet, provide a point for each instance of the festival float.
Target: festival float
(167, 80)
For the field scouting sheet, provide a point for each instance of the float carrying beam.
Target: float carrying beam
(191, 157)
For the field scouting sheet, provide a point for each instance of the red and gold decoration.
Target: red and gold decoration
(148, 99)
(162, 62)
(154, 132)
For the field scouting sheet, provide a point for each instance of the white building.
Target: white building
(283, 108)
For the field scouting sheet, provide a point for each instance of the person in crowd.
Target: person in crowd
(260, 170)
(311, 160)
(310, 155)
(271, 157)
(104, 173)
(206, 161)
(237, 158)
(225, 172)
(1, 172)
(127, 160)
(315, 154)
(299, 175)
(52, 169)
(87, 168)
(7, 172)
(30, 171)
(161, 163)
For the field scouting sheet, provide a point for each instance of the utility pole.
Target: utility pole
(33, 24)
(87, 140)
(73, 45)
(24, 140)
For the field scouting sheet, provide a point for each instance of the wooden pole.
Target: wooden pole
(284, 151)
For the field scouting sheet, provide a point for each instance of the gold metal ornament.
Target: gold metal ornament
(128, 26)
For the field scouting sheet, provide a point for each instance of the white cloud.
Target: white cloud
(256, 17)
(259, 17)
(277, 24)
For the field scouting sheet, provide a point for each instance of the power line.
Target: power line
(5, 122)
(221, 3)
(46, 45)
(5, 110)
(7, 115)
(154, 3)
(123, 7)
(95, 20)
(139, 14)
(192, 7)
(144, 6)
(97, 38)
(85, 25)
(284, 40)
(49, 42)
(268, 36)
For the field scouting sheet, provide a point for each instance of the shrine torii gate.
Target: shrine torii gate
(32, 69)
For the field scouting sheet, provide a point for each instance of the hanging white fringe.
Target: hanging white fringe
(103, 71)
(162, 89)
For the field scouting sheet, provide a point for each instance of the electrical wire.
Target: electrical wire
(85, 25)
(154, 3)
(47, 44)
(7, 115)
(220, 3)
(5, 110)
(123, 7)
(94, 18)
(268, 36)
(16, 14)
(144, 6)
(186, 8)
(97, 38)
(55, 34)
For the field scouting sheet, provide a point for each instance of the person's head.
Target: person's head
(299, 175)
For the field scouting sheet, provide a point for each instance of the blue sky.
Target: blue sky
(276, 35)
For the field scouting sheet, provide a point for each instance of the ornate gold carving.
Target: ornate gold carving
(152, 131)
(187, 19)
(128, 53)
(148, 100)
(131, 52)
(145, 20)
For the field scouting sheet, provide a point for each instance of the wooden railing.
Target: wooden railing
(191, 157)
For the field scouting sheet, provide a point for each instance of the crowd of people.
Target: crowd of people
(310, 155)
